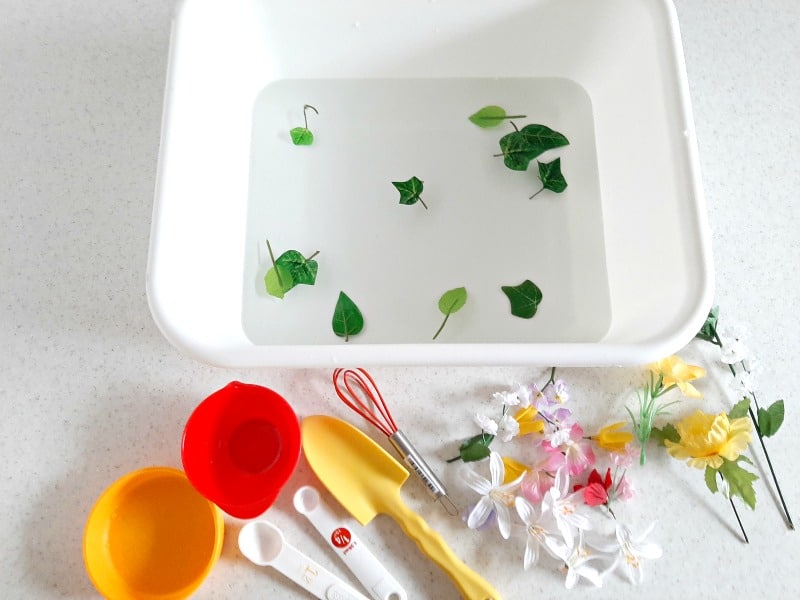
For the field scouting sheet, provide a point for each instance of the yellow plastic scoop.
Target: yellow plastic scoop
(366, 480)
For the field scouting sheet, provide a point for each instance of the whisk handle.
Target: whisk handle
(414, 460)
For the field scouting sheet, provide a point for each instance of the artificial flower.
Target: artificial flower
(611, 439)
(623, 489)
(576, 562)
(528, 421)
(577, 451)
(674, 371)
(595, 492)
(562, 393)
(513, 469)
(625, 458)
(539, 526)
(497, 497)
(525, 395)
(706, 439)
(565, 507)
(535, 484)
(507, 428)
(731, 337)
(632, 550)
(486, 424)
(507, 398)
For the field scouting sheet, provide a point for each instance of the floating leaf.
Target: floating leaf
(740, 409)
(667, 432)
(347, 318)
(301, 136)
(450, 302)
(476, 448)
(524, 298)
(519, 148)
(771, 419)
(551, 177)
(303, 270)
(491, 116)
(740, 482)
(410, 191)
(278, 281)
(708, 330)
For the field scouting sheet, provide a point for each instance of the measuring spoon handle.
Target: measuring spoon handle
(348, 546)
(312, 576)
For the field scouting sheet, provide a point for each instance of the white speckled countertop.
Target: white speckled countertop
(90, 389)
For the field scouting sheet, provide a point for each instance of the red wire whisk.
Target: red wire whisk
(358, 390)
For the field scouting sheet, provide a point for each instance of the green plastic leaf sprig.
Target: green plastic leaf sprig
(410, 191)
(347, 318)
(290, 269)
(551, 177)
(521, 146)
(524, 298)
(491, 116)
(450, 302)
(302, 136)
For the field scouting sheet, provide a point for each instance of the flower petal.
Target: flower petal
(480, 513)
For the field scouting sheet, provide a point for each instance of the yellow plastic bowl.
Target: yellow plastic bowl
(151, 536)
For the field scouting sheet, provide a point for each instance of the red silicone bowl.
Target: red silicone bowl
(240, 446)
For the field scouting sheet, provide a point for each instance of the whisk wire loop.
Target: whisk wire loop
(358, 390)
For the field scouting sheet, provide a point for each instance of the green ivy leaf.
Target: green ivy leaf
(740, 409)
(711, 480)
(519, 148)
(410, 191)
(667, 432)
(524, 298)
(476, 447)
(550, 174)
(709, 328)
(740, 482)
(278, 281)
(450, 302)
(301, 136)
(302, 269)
(347, 318)
(491, 116)
(771, 419)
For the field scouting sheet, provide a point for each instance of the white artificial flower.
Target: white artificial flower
(507, 398)
(632, 550)
(525, 395)
(539, 526)
(562, 393)
(576, 562)
(733, 348)
(508, 428)
(745, 380)
(566, 507)
(497, 497)
(486, 424)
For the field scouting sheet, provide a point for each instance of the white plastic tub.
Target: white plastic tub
(622, 256)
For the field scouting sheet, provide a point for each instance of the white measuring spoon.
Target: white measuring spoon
(355, 554)
(263, 544)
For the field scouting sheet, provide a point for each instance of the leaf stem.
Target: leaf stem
(312, 256)
(274, 266)
(305, 117)
(438, 331)
(422, 202)
(536, 194)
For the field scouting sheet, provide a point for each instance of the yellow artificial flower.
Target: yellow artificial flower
(514, 469)
(528, 423)
(611, 439)
(707, 439)
(676, 372)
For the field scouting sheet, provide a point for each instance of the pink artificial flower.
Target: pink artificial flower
(577, 451)
(624, 489)
(535, 484)
(625, 458)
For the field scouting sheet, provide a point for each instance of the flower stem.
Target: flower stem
(738, 520)
(754, 420)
